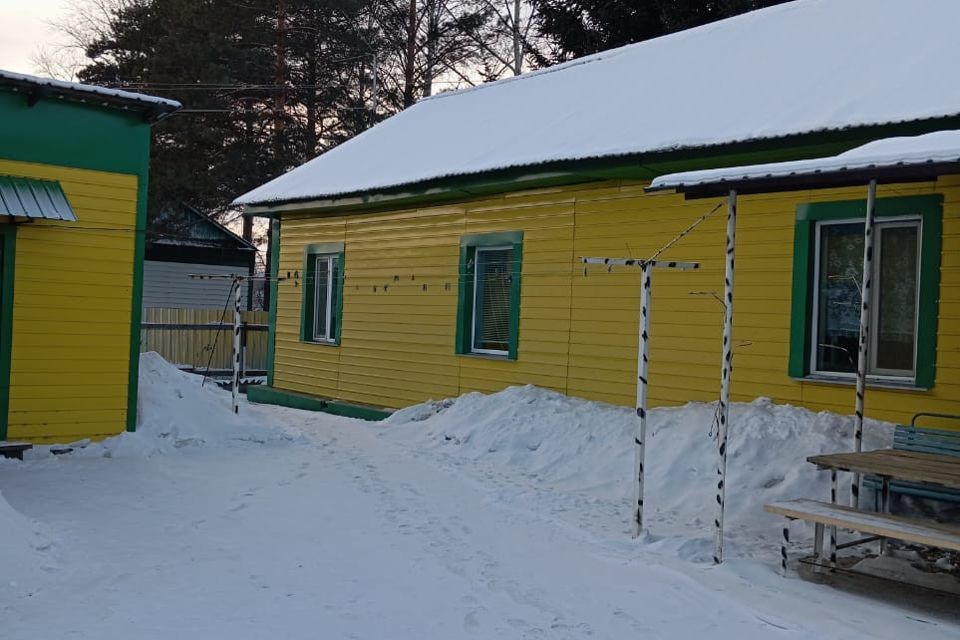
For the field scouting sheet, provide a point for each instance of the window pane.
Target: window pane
(838, 291)
(897, 298)
(334, 291)
(491, 328)
(321, 276)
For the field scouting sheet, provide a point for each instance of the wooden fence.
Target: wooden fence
(196, 338)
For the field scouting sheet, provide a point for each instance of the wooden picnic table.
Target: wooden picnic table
(888, 465)
(896, 464)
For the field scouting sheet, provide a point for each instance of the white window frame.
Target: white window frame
(476, 292)
(328, 310)
(873, 373)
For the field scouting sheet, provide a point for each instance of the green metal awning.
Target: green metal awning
(28, 198)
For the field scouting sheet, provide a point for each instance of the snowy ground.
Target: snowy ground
(493, 517)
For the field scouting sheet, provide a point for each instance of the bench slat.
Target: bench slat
(935, 534)
(926, 441)
(918, 489)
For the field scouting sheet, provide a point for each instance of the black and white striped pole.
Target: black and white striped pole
(643, 363)
(723, 411)
(643, 367)
(237, 291)
(866, 302)
(235, 387)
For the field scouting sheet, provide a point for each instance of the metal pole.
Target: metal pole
(833, 529)
(726, 370)
(235, 387)
(643, 352)
(784, 545)
(866, 301)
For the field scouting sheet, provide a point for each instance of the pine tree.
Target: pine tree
(576, 28)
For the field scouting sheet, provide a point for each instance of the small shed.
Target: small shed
(181, 241)
(74, 163)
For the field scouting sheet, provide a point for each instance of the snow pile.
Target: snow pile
(22, 550)
(176, 410)
(576, 446)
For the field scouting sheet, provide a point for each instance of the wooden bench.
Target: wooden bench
(14, 449)
(926, 532)
(923, 440)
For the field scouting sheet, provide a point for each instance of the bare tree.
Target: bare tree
(81, 23)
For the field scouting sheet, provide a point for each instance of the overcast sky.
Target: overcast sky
(24, 30)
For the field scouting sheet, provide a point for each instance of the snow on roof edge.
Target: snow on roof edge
(938, 147)
(90, 89)
(243, 201)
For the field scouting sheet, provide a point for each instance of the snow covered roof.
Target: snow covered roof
(932, 152)
(152, 107)
(801, 67)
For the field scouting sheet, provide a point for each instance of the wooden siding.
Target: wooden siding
(71, 319)
(168, 285)
(579, 334)
(200, 347)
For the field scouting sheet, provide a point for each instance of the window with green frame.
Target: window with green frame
(488, 310)
(322, 305)
(827, 275)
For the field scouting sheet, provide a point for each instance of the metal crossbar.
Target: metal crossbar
(631, 262)
(643, 352)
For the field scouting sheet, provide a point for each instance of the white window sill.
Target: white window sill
(489, 356)
(872, 383)
(324, 343)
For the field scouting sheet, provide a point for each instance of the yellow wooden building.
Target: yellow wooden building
(439, 252)
(74, 163)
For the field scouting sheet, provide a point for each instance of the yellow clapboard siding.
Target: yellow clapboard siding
(72, 305)
(579, 334)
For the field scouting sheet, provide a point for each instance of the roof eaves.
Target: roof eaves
(245, 245)
(152, 109)
(819, 179)
(573, 167)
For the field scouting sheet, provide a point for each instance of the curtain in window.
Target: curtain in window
(491, 327)
(897, 298)
(894, 316)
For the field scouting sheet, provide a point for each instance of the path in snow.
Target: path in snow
(345, 535)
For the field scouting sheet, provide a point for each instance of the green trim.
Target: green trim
(274, 303)
(270, 395)
(465, 292)
(310, 253)
(341, 277)
(639, 167)
(930, 210)
(8, 238)
(71, 134)
(136, 297)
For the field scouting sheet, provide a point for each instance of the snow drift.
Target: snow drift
(23, 551)
(177, 410)
(573, 445)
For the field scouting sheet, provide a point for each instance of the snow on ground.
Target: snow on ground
(585, 448)
(177, 409)
(485, 517)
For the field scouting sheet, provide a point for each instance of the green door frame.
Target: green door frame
(8, 245)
